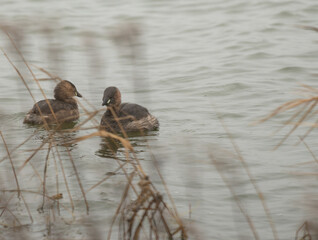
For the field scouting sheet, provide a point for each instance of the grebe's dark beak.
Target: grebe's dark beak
(78, 94)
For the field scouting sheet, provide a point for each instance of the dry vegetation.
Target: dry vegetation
(142, 212)
(304, 114)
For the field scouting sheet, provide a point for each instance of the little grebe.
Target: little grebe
(64, 106)
(131, 117)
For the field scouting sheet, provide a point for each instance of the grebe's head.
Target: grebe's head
(112, 97)
(65, 90)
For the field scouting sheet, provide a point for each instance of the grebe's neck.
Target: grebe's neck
(113, 109)
(70, 100)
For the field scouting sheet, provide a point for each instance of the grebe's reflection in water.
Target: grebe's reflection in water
(113, 148)
(108, 147)
(59, 134)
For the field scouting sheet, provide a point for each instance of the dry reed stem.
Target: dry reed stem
(124, 196)
(306, 111)
(150, 195)
(295, 127)
(46, 79)
(251, 178)
(310, 88)
(304, 124)
(51, 76)
(236, 198)
(167, 227)
(18, 146)
(57, 181)
(5, 208)
(33, 154)
(144, 196)
(304, 173)
(26, 85)
(36, 172)
(139, 226)
(44, 174)
(12, 165)
(36, 193)
(33, 75)
(58, 78)
(312, 127)
(138, 167)
(306, 234)
(64, 177)
(79, 126)
(123, 225)
(96, 122)
(82, 128)
(309, 150)
(27, 207)
(139, 197)
(103, 133)
(104, 179)
(78, 180)
(14, 216)
(287, 106)
(153, 223)
(118, 122)
(289, 121)
(127, 176)
(175, 213)
(303, 163)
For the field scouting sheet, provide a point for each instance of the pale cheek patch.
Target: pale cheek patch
(108, 101)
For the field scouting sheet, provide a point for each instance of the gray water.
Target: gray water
(197, 60)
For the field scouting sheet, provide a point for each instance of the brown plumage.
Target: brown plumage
(64, 106)
(131, 117)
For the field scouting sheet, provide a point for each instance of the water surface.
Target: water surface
(197, 60)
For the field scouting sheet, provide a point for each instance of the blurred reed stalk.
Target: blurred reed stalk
(230, 185)
(304, 110)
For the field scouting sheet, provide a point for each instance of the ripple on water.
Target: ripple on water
(287, 15)
(259, 56)
(224, 89)
(291, 69)
(312, 9)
